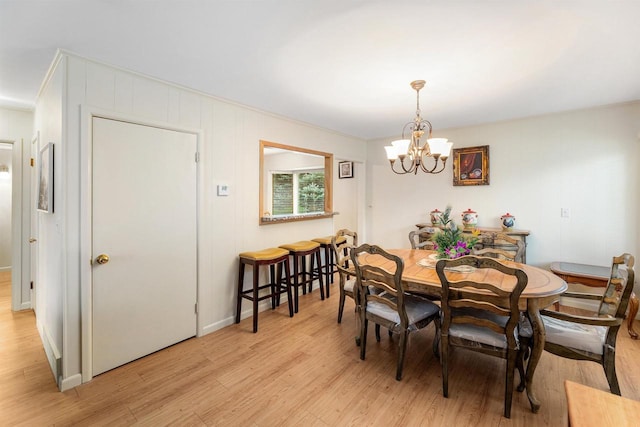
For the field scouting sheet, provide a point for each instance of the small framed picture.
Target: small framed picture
(471, 165)
(45, 179)
(345, 170)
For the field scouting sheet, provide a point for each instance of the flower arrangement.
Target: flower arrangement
(450, 241)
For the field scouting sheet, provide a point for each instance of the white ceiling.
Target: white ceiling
(345, 65)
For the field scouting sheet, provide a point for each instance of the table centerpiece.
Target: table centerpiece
(450, 241)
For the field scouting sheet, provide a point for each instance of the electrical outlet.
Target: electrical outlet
(565, 212)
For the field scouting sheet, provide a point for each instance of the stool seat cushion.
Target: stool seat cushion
(265, 254)
(327, 240)
(304, 245)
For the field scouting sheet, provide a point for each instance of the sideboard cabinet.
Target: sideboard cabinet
(490, 240)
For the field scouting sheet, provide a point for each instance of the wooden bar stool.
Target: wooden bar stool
(272, 257)
(302, 276)
(329, 266)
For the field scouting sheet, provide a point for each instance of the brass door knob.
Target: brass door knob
(32, 240)
(102, 259)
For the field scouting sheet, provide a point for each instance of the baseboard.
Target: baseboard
(5, 269)
(217, 325)
(247, 312)
(71, 382)
(53, 355)
(25, 306)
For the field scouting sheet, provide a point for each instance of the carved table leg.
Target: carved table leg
(633, 310)
(538, 339)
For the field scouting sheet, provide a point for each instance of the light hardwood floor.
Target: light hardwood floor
(300, 371)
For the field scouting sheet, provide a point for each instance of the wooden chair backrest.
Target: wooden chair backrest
(516, 255)
(379, 284)
(463, 299)
(341, 250)
(616, 296)
(414, 239)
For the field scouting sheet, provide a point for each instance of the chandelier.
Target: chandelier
(410, 149)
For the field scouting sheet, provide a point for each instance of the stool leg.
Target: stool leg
(328, 259)
(240, 288)
(303, 267)
(255, 298)
(295, 282)
(332, 264)
(319, 275)
(273, 283)
(288, 285)
(278, 283)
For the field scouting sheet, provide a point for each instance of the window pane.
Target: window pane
(311, 192)
(282, 194)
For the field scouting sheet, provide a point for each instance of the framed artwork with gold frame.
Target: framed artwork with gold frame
(471, 165)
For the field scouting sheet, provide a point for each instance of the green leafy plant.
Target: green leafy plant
(450, 241)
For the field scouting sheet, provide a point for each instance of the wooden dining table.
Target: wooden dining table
(543, 289)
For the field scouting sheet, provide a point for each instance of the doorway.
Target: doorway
(6, 169)
(144, 240)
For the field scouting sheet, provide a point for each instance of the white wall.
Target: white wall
(53, 243)
(585, 160)
(229, 155)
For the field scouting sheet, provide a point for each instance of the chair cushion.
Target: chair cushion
(417, 309)
(304, 245)
(478, 333)
(327, 240)
(265, 254)
(349, 284)
(575, 335)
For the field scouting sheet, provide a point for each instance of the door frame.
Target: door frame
(20, 229)
(32, 243)
(88, 113)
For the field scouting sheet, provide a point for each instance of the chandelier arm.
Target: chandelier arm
(428, 123)
(435, 165)
(408, 126)
(404, 170)
(411, 168)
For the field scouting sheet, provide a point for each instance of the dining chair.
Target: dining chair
(592, 337)
(414, 239)
(341, 244)
(495, 251)
(384, 302)
(481, 316)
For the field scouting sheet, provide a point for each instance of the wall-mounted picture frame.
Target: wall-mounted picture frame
(345, 170)
(471, 165)
(45, 179)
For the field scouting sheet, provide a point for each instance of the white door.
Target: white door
(144, 220)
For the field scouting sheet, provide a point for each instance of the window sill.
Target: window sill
(278, 219)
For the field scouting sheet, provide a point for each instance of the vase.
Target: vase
(435, 216)
(469, 219)
(508, 221)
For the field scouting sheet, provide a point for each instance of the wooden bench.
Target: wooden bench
(590, 407)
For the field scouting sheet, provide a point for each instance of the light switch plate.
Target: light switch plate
(223, 190)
